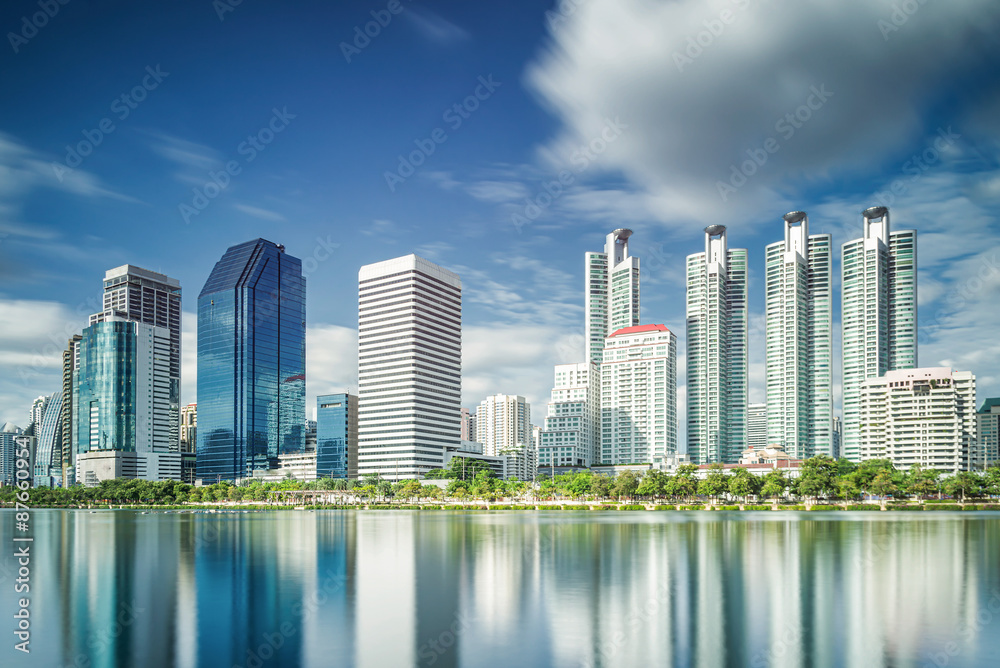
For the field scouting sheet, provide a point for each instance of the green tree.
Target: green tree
(683, 483)
(653, 484)
(817, 477)
(964, 485)
(992, 480)
(625, 485)
(882, 485)
(716, 483)
(922, 482)
(580, 484)
(744, 484)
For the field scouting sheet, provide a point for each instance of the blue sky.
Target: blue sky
(642, 107)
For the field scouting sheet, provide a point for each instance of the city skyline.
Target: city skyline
(522, 304)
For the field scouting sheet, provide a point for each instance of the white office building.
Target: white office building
(571, 436)
(639, 396)
(409, 366)
(503, 422)
(140, 295)
(879, 313)
(799, 340)
(611, 292)
(757, 426)
(717, 355)
(919, 416)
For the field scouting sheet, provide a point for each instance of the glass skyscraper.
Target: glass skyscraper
(879, 312)
(799, 341)
(336, 433)
(717, 350)
(251, 361)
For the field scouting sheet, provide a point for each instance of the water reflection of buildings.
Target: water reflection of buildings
(561, 589)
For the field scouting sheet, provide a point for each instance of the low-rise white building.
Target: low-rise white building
(919, 416)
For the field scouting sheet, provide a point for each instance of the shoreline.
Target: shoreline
(537, 507)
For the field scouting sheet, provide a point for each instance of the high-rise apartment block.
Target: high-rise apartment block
(67, 434)
(572, 432)
(503, 422)
(336, 435)
(137, 294)
(612, 292)
(919, 416)
(251, 362)
(639, 396)
(757, 426)
(988, 435)
(879, 313)
(799, 340)
(409, 366)
(717, 355)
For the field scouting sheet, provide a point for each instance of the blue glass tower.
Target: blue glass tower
(336, 432)
(251, 361)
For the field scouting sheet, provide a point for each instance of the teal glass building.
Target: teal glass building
(336, 417)
(251, 361)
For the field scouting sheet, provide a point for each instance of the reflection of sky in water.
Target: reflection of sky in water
(377, 589)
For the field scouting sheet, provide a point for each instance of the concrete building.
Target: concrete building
(468, 431)
(988, 435)
(140, 295)
(8, 451)
(611, 289)
(757, 426)
(878, 313)
(639, 396)
(799, 340)
(717, 353)
(122, 402)
(251, 361)
(572, 432)
(67, 434)
(503, 422)
(919, 416)
(189, 428)
(838, 437)
(409, 366)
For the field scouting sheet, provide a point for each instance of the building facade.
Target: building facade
(336, 435)
(757, 426)
(48, 444)
(189, 428)
(122, 399)
(799, 340)
(717, 351)
(988, 435)
(409, 366)
(919, 416)
(639, 396)
(137, 294)
(251, 361)
(67, 434)
(572, 432)
(503, 422)
(878, 313)
(611, 292)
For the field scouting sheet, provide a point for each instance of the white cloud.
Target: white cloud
(263, 214)
(435, 28)
(689, 123)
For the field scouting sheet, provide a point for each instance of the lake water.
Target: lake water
(558, 588)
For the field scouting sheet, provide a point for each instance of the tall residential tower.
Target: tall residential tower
(612, 292)
(409, 366)
(799, 340)
(879, 312)
(717, 350)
